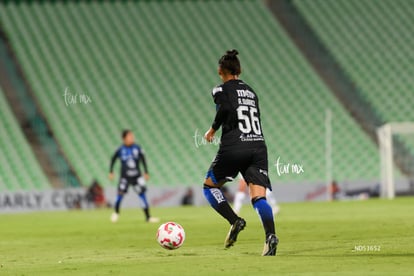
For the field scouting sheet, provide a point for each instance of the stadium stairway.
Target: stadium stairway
(19, 169)
(37, 135)
(150, 66)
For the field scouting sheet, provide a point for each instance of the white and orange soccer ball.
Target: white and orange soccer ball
(170, 235)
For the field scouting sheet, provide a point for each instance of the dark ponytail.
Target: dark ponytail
(230, 63)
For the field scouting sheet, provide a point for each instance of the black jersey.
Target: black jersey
(130, 157)
(238, 114)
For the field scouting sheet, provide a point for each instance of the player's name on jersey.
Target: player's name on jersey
(246, 97)
(247, 102)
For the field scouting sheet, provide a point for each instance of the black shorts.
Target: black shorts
(137, 182)
(252, 163)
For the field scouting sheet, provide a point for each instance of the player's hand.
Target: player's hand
(146, 176)
(209, 136)
(111, 176)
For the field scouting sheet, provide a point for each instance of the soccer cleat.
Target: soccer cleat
(270, 246)
(234, 232)
(114, 217)
(153, 220)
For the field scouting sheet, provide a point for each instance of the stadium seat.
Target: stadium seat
(373, 43)
(150, 66)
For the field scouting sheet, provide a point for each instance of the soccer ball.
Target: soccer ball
(170, 235)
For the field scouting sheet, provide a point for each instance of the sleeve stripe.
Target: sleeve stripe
(217, 89)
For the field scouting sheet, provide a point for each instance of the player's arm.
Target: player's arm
(221, 114)
(111, 165)
(143, 160)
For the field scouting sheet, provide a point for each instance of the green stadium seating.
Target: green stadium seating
(373, 42)
(150, 66)
(19, 169)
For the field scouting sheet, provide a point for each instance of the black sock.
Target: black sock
(227, 212)
(118, 203)
(147, 215)
(217, 200)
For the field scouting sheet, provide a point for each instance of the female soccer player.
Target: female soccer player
(242, 150)
(131, 155)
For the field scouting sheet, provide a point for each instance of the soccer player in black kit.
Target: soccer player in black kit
(131, 155)
(242, 149)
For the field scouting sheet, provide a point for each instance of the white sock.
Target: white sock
(238, 201)
(270, 198)
(272, 201)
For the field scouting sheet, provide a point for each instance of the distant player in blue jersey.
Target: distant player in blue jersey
(131, 156)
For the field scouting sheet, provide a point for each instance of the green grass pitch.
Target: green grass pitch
(342, 238)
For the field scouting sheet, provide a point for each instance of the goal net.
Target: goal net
(396, 148)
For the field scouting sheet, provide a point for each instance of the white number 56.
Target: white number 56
(248, 120)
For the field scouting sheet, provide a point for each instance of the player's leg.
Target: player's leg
(262, 207)
(260, 204)
(239, 196)
(122, 189)
(217, 200)
(141, 189)
(222, 170)
(258, 181)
